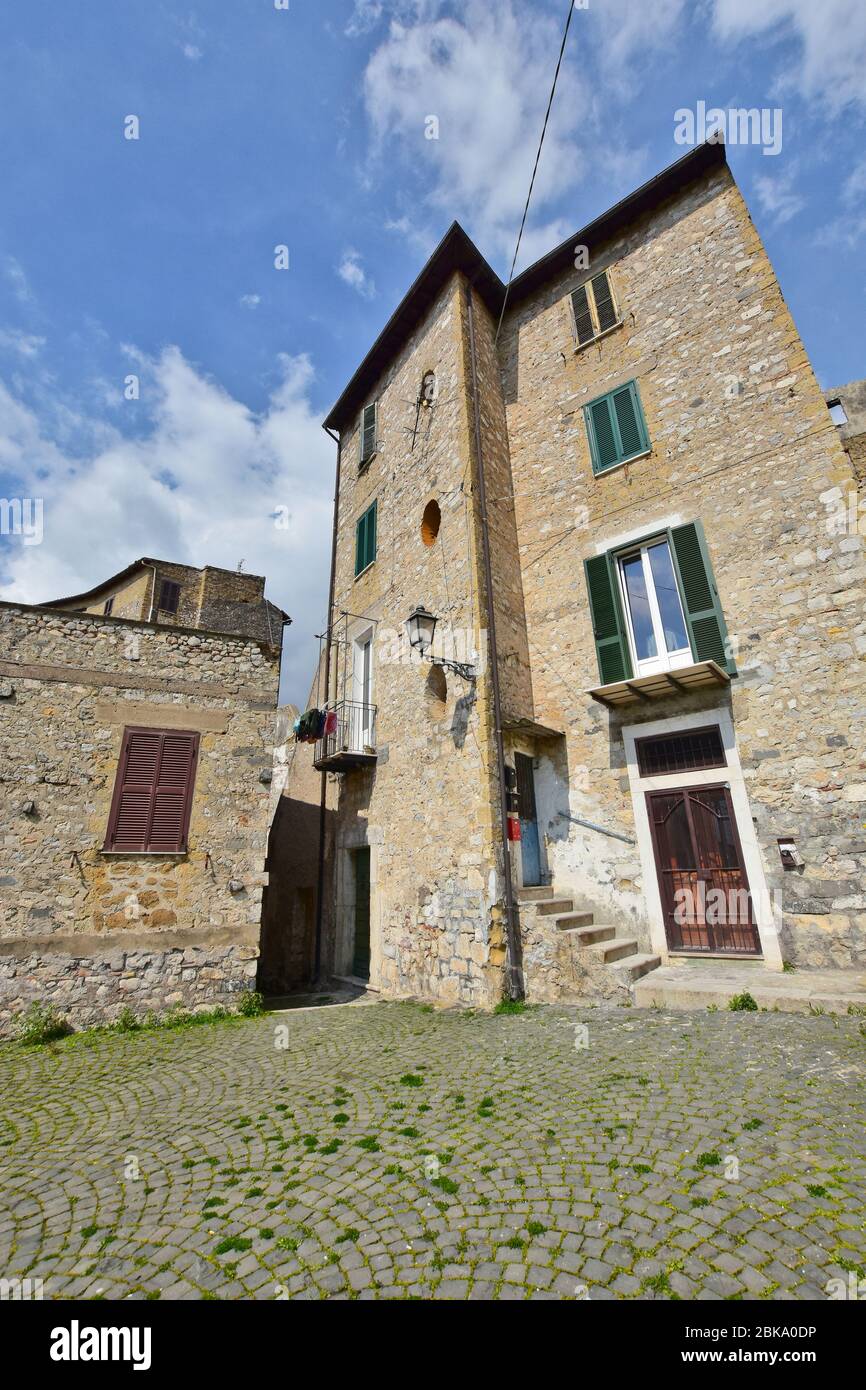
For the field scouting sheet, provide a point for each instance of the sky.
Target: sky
(163, 378)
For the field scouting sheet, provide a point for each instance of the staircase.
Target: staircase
(568, 955)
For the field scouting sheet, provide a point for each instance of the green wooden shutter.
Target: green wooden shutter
(706, 621)
(365, 539)
(614, 662)
(632, 436)
(371, 534)
(605, 309)
(616, 427)
(582, 316)
(602, 436)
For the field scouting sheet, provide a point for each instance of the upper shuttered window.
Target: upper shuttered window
(594, 309)
(367, 434)
(616, 427)
(169, 596)
(152, 799)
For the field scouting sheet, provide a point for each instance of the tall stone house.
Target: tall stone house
(136, 752)
(637, 736)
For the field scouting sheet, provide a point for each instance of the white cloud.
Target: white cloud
(485, 77)
(417, 239)
(192, 52)
(368, 13)
(365, 16)
(250, 301)
(630, 29)
(777, 197)
(353, 274)
(830, 37)
(854, 190)
(200, 486)
(25, 344)
(14, 274)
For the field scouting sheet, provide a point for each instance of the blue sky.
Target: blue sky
(305, 127)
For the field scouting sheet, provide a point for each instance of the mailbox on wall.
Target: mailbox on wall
(789, 854)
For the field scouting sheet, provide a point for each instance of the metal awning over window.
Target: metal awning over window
(663, 684)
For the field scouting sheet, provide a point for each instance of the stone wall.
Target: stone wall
(853, 432)
(93, 931)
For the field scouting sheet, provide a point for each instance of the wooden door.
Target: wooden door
(361, 956)
(704, 889)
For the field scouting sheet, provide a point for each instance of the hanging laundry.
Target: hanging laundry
(330, 722)
(310, 725)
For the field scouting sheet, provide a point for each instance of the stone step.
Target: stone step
(590, 936)
(631, 968)
(699, 984)
(531, 895)
(569, 920)
(547, 906)
(617, 949)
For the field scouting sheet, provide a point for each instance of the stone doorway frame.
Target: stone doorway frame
(768, 930)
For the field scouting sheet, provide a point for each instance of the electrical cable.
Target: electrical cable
(535, 169)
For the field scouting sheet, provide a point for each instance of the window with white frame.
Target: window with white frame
(655, 621)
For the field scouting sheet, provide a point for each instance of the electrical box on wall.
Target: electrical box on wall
(789, 854)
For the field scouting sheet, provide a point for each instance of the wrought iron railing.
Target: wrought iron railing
(355, 731)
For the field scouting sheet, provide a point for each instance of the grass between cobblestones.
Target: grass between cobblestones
(390, 1151)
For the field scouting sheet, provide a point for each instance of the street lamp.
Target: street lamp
(421, 625)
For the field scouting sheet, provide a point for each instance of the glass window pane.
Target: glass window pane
(638, 602)
(668, 597)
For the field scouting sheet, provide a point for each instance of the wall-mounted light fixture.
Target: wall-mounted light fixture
(421, 625)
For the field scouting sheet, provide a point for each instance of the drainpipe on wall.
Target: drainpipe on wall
(152, 593)
(323, 800)
(516, 986)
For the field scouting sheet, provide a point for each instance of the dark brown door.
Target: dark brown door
(704, 889)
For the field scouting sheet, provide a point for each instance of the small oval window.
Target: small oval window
(430, 522)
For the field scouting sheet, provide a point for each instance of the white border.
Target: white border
(732, 776)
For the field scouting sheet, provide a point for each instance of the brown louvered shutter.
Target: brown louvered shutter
(604, 306)
(583, 328)
(153, 792)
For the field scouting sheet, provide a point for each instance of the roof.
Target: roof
(456, 251)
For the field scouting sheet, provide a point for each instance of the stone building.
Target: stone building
(624, 477)
(847, 406)
(181, 596)
(136, 751)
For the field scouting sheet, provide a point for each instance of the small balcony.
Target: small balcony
(352, 743)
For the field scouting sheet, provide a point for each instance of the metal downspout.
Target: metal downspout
(320, 882)
(516, 986)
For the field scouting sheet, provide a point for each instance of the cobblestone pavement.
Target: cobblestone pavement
(388, 1152)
